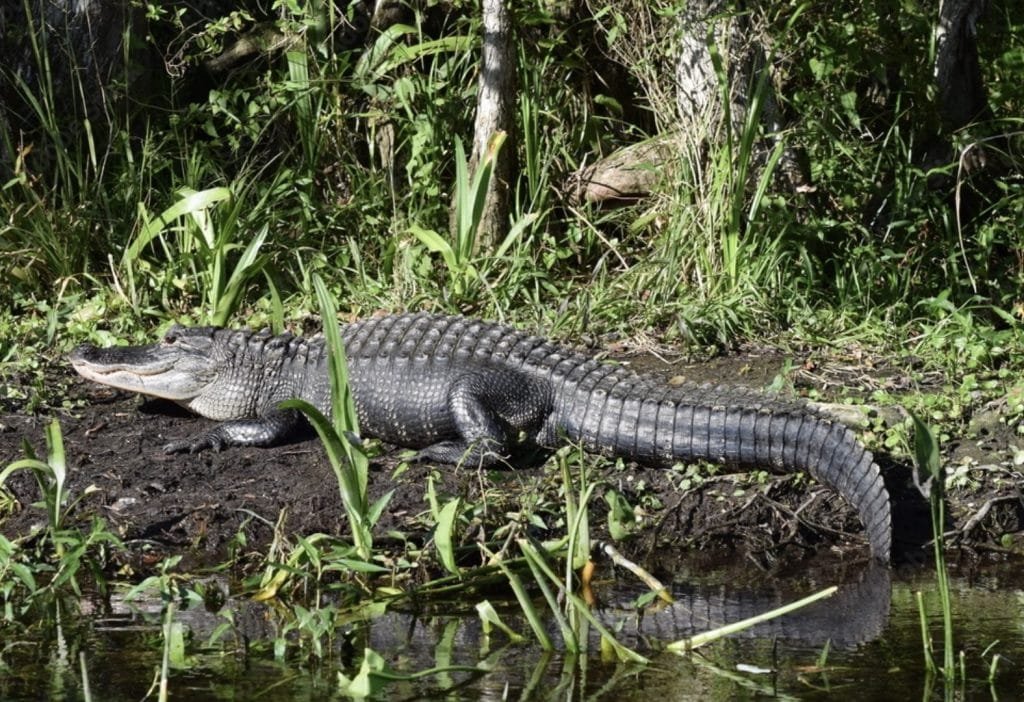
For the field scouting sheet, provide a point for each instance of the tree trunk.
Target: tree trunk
(703, 28)
(962, 97)
(81, 48)
(495, 98)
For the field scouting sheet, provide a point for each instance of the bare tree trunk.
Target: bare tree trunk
(700, 110)
(495, 99)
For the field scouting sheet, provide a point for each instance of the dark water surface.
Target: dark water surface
(872, 626)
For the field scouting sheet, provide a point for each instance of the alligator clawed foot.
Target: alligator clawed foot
(479, 453)
(194, 444)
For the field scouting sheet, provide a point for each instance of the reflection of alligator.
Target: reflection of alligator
(857, 614)
(464, 390)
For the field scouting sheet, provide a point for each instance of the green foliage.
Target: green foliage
(205, 239)
(443, 542)
(570, 611)
(50, 475)
(172, 591)
(340, 161)
(899, 210)
(574, 623)
(375, 675)
(468, 267)
(49, 563)
(470, 196)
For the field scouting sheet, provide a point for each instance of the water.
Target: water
(872, 628)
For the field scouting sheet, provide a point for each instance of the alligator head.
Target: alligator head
(179, 367)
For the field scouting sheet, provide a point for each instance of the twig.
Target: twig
(653, 583)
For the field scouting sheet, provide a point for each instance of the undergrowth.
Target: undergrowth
(211, 208)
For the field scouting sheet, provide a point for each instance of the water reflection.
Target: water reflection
(870, 630)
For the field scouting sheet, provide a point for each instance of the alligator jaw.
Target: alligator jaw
(156, 370)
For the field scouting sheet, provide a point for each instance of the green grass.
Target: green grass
(933, 480)
(339, 436)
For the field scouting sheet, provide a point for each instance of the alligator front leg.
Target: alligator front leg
(268, 430)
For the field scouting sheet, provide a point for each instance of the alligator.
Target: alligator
(463, 390)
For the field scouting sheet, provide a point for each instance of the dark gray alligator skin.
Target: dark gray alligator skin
(464, 390)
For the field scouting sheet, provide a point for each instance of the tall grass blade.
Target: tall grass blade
(388, 52)
(689, 644)
(343, 407)
(84, 670)
(576, 515)
(542, 572)
(533, 618)
(540, 580)
(305, 114)
(165, 660)
(471, 197)
(347, 459)
(225, 300)
(464, 202)
(58, 466)
(443, 533)
(926, 453)
(926, 637)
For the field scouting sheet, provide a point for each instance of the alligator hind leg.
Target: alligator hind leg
(492, 410)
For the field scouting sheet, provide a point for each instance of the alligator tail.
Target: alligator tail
(793, 440)
(826, 449)
(751, 430)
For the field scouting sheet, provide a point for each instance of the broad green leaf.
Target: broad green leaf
(443, 533)
(490, 617)
(249, 263)
(190, 203)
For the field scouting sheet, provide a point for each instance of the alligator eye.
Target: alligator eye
(170, 338)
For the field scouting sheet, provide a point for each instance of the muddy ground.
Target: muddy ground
(212, 506)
